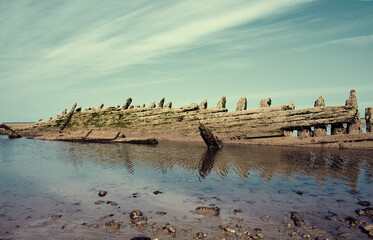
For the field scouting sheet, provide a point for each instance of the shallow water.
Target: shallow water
(41, 178)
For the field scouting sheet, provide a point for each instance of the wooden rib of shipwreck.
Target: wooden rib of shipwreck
(9, 131)
(167, 123)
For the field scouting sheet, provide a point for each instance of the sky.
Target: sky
(56, 53)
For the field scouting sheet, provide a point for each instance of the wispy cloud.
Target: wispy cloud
(353, 41)
(130, 37)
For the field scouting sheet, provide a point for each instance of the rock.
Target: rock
(113, 224)
(131, 107)
(9, 131)
(157, 192)
(111, 203)
(242, 104)
(79, 109)
(300, 193)
(168, 105)
(208, 137)
(267, 217)
(99, 202)
(200, 235)
(101, 106)
(105, 217)
(152, 105)
(64, 112)
(203, 105)
(136, 214)
(227, 228)
(364, 203)
(137, 106)
(160, 213)
(368, 227)
(239, 225)
(265, 102)
(208, 211)
(161, 103)
(222, 102)
(319, 102)
(298, 220)
(102, 193)
(366, 212)
(369, 119)
(352, 221)
(55, 216)
(50, 118)
(127, 104)
(40, 120)
(143, 105)
(332, 217)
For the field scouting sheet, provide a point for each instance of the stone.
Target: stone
(101, 106)
(242, 104)
(208, 211)
(319, 131)
(79, 109)
(131, 107)
(368, 227)
(127, 104)
(10, 132)
(369, 119)
(338, 129)
(227, 228)
(222, 102)
(137, 106)
(102, 193)
(161, 103)
(298, 220)
(64, 112)
(152, 105)
(265, 102)
(40, 120)
(143, 105)
(113, 224)
(319, 102)
(364, 203)
(168, 105)
(55, 216)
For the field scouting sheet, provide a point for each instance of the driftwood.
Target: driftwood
(10, 132)
(209, 138)
(69, 116)
(146, 141)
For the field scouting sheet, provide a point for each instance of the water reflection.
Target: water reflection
(207, 162)
(269, 162)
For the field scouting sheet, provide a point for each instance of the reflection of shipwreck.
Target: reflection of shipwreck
(167, 123)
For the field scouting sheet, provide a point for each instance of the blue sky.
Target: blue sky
(56, 53)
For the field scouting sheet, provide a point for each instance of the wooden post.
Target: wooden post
(10, 132)
(68, 117)
(209, 138)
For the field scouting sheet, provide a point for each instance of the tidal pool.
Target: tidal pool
(40, 180)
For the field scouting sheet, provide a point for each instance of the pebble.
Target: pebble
(99, 202)
(364, 203)
(227, 228)
(157, 192)
(102, 193)
(200, 235)
(55, 216)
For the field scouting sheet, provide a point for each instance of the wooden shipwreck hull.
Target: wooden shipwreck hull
(167, 123)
